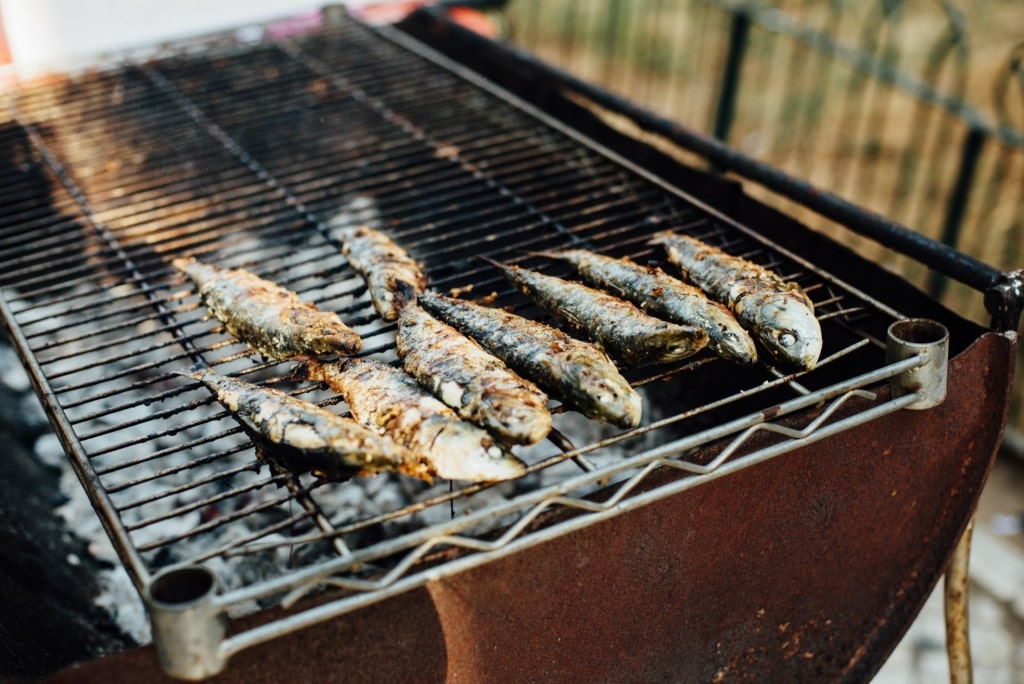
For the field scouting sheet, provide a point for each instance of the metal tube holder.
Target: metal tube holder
(188, 622)
(925, 338)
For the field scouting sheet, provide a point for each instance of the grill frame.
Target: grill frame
(300, 582)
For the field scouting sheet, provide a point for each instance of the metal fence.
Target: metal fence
(887, 103)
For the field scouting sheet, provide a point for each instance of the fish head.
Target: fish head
(734, 343)
(518, 423)
(461, 451)
(610, 399)
(672, 344)
(789, 330)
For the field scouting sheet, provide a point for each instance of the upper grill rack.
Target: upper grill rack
(247, 155)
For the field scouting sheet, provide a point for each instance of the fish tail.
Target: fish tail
(315, 370)
(492, 262)
(405, 293)
(182, 263)
(659, 238)
(548, 253)
(506, 270)
(300, 371)
(196, 371)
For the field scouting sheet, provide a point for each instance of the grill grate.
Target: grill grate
(246, 155)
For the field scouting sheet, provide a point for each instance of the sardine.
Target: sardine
(382, 265)
(382, 396)
(664, 296)
(304, 437)
(617, 326)
(778, 313)
(469, 379)
(576, 372)
(269, 318)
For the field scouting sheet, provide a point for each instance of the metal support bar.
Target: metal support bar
(974, 141)
(958, 645)
(725, 112)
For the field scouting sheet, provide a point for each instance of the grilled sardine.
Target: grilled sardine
(384, 397)
(778, 313)
(576, 372)
(305, 437)
(383, 265)
(471, 380)
(615, 325)
(664, 296)
(269, 318)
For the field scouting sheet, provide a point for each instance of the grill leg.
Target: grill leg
(958, 646)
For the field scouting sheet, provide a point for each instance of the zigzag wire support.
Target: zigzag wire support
(701, 473)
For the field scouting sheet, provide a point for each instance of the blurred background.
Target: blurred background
(911, 108)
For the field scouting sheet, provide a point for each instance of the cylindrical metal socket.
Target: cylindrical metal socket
(925, 338)
(188, 624)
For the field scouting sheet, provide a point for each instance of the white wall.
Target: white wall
(56, 32)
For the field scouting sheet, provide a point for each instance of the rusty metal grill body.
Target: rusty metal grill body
(244, 154)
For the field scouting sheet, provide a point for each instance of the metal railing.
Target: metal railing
(886, 103)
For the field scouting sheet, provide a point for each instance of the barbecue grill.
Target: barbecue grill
(759, 524)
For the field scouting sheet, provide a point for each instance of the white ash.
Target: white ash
(127, 428)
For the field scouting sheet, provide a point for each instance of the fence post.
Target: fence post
(725, 111)
(956, 205)
(613, 32)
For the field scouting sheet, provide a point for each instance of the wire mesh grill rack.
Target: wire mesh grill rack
(251, 155)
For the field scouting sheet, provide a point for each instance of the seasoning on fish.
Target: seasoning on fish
(778, 313)
(382, 265)
(615, 325)
(269, 318)
(576, 372)
(383, 397)
(471, 380)
(305, 437)
(664, 296)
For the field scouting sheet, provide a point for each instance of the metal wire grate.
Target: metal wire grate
(248, 155)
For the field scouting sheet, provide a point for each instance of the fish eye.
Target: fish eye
(787, 338)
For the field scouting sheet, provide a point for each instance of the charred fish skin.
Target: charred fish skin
(269, 318)
(576, 372)
(469, 379)
(664, 296)
(383, 265)
(308, 437)
(615, 325)
(385, 398)
(778, 313)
